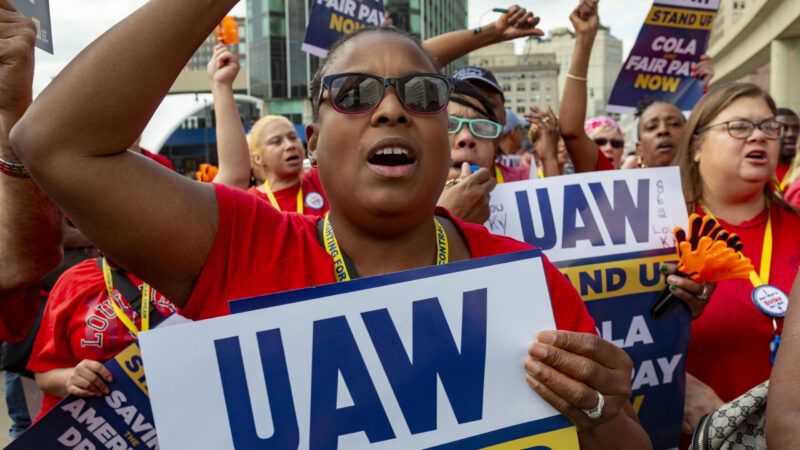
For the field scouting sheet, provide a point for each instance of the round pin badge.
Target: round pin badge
(770, 300)
(314, 200)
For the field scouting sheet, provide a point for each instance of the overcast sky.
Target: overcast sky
(76, 23)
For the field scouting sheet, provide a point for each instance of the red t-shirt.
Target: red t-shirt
(781, 170)
(161, 159)
(18, 310)
(603, 163)
(79, 323)
(314, 201)
(729, 348)
(792, 193)
(259, 251)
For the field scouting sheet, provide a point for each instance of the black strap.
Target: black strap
(131, 293)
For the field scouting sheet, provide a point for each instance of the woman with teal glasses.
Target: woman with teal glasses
(473, 129)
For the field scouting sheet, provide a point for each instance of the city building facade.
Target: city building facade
(604, 65)
(759, 41)
(428, 18)
(527, 80)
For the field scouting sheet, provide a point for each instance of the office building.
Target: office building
(527, 80)
(604, 65)
(429, 18)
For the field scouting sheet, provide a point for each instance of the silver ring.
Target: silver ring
(704, 295)
(597, 411)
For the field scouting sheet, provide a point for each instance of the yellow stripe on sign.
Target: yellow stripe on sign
(613, 279)
(130, 360)
(565, 438)
(680, 18)
(637, 403)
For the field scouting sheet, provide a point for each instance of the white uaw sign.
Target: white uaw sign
(430, 358)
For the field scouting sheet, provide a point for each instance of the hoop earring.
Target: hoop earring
(313, 160)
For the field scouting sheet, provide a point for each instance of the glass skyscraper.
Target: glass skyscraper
(280, 72)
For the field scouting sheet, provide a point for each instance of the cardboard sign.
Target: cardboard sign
(673, 38)
(329, 20)
(119, 420)
(608, 232)
(39, 12)
(429, 358)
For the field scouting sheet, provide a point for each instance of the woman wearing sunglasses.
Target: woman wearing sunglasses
(728, 156)
(607, 136)
(380, 138)
(661, 123)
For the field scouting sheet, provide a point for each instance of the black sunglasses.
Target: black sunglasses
(616, 143)
(360, 93)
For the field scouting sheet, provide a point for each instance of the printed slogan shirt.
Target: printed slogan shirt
(79, 323)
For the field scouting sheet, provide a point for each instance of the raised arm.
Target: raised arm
(783, 403)
(234, 157)
(30, 232)
(516, 23)
(547, 141)
(153, 222)
(572, 114)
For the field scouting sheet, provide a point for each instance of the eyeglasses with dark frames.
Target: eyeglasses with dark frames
(743, 128)
(361, 93)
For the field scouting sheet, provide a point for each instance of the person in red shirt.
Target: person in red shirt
(276, 155)
(661, 123)
(726, 168)
(80, 330)
(788, 145)
(193, 246)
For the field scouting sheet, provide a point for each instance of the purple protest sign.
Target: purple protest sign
(673, 38)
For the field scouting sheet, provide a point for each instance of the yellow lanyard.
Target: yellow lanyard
(340, 271)
(145, 314)
(762, 277)
(498, 175)
(274, 201)
(780, 186)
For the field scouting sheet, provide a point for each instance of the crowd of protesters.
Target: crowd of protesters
(387, 174)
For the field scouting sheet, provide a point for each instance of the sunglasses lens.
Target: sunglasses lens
(355, 93)
(601, 141)
(617, 143)
(424, 94)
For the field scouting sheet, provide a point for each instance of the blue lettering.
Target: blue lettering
(615, 279)
(549, 238)
(237, 396)
(637, 215)
(648, 281)
(588, 281)
(435, 354)
(575, 203)
(334, 351)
